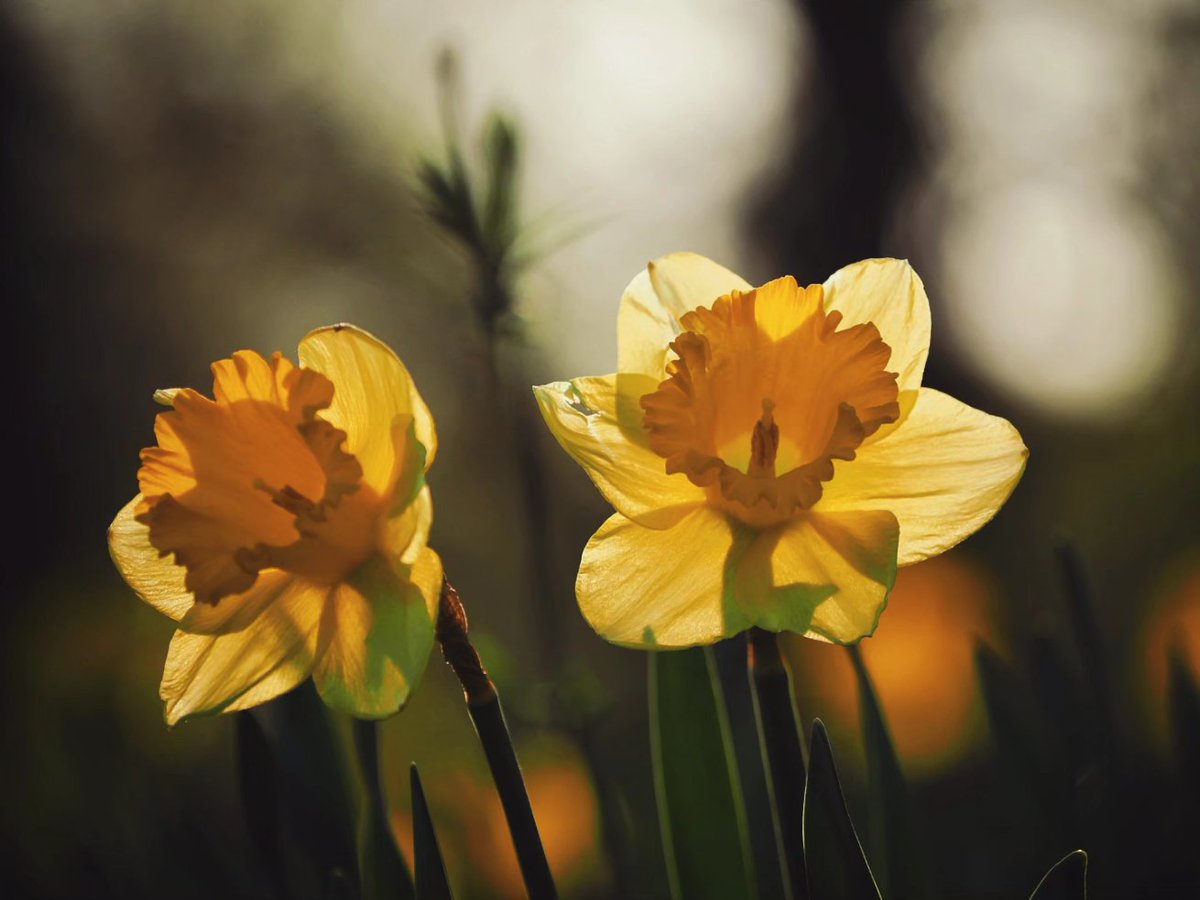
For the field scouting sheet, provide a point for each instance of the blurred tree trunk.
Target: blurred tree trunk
(855, 144)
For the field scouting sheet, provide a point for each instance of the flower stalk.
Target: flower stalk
(483, 704)
(779, 732)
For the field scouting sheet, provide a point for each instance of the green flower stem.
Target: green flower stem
(766, 839)
(779, 731)
(483, 704)
(316, 811)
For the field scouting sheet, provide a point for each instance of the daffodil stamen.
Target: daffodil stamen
(764, 443)
(774, 348)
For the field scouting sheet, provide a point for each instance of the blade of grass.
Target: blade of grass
(699, 799)
(837, 868)
(432, 883)
(483, 705)
(900, 869)
(382, 869)
(779, 734)
(1066, 880)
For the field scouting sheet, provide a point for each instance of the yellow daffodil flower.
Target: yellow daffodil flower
(771, 454)
(283, 526)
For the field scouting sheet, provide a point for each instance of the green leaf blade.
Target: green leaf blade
(900, 867)
(837, 868)
(431, 881)
(383, 870)
(1066, 880)
(699, 796)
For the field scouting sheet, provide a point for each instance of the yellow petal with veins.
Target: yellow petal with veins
(600, 427)
(374, 390)
(944, 473)
(890, 295)
(207, 673)
(155, 578)
(406, 534)
(684, 281)
(238, 611)
(825, 576)
(377, 633)
(659, 588)
(648, 317)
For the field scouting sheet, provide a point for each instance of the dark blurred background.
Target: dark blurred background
(183, 179)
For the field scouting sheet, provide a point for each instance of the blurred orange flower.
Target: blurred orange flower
(771, 454)
(283, 526)
(931, 699)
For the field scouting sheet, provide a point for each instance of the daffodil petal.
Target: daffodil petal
(648, 318)
(824, 576)
(659, 588)
(944, 473)
(235, 612)
(372, 391)
(380, 633)
(405, 534)
(155, 578)
(208, 673)
(644, 330)
(889, 294)
(591, 419)
(683, 281)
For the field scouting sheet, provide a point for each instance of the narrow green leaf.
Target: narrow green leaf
(779, 731)
(382, 869)
(762, 822)
(1066, 880)
(837, 868)
(431, 880)
(900, 867)
(695, 777)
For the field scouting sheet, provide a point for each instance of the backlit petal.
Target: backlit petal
(372, 390)
(684, 281)
(237, 611)
(600, 427)
(659, 588)
(406, 533)
(888, 293)
(825, 576)
(944, 472)
(644, 329)
(210, 673)
(379, 627)
(648, 318)
(156, 579)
